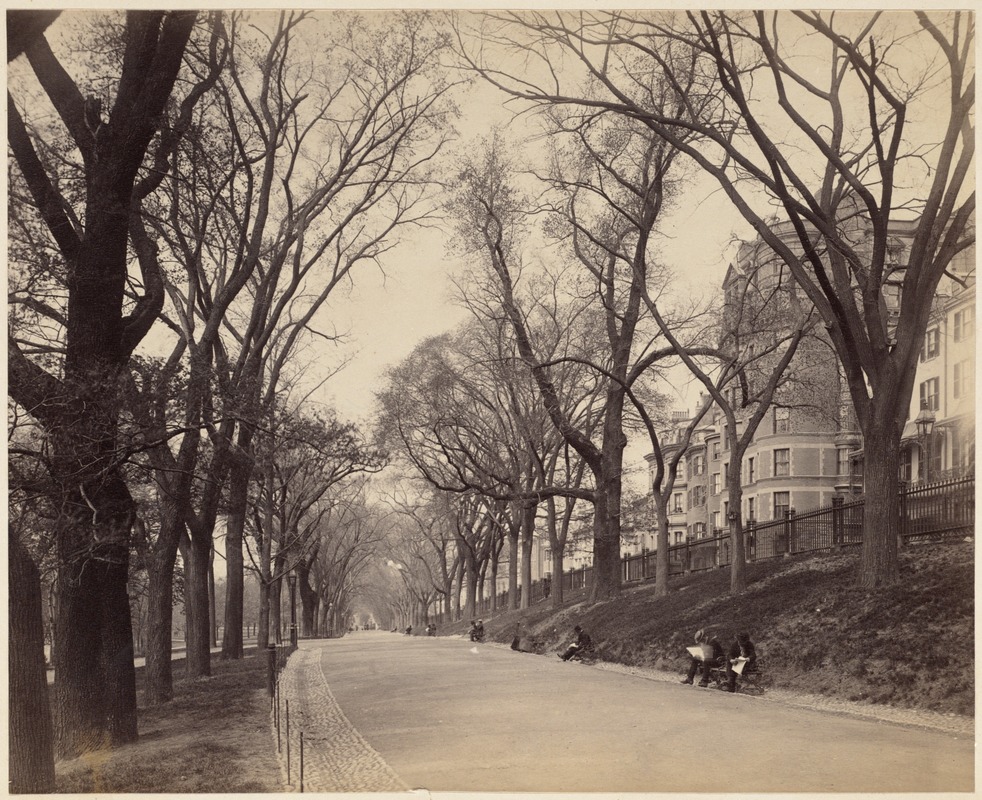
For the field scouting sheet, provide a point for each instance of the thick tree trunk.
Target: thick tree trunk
(30, 735)
(528, 531)
(212, 610)
(262, 629)
(879, 564)
(308, 602)
(159, 686)
(238, 496)
(734, 490)
(276, 607)
(95, 682)
(197, 554)
(661, 550)
(606, 539)
(513, 561)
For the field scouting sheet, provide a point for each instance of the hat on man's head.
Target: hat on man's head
(700, 635)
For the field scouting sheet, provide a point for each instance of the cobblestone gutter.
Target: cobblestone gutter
(336, 757)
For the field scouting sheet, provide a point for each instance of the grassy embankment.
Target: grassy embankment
(909, 645)
(213, 737)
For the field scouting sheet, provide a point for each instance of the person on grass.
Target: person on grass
(582, 643)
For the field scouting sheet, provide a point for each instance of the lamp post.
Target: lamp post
(924, 422)
(292, 578)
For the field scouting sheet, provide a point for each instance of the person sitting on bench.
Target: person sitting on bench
(707, 653)
(582, 644)
(742, 648)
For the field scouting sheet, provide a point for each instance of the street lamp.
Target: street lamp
(924, 422)
(292, 578)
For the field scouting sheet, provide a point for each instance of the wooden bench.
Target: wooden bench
(749, 683)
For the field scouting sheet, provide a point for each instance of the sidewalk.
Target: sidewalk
(336, 757)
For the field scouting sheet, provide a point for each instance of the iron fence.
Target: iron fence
(928, 513)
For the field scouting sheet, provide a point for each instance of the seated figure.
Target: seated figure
(582, 644)
(707, 653)
(741, 649)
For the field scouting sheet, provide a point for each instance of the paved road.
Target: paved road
(385, 712)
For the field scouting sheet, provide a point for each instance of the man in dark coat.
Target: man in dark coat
(712, 656)
(583, 642)
(742, 647)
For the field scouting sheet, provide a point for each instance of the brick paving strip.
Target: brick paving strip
(336, 757)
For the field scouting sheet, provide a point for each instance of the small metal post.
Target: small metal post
(288, 741)
(278, 747)
(301, 762)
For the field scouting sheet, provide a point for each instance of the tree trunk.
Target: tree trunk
(734, 491)
(30, 735)
(308, 601)
(212, 609)
(262, 628)
(159, 686)
(606, 540)
(196, 552)
(661, 549)
(879, 564)
(276, 606)
(238, 496)
(95, 686)
(513, 563)
(528, 531)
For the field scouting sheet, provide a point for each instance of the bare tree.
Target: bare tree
(77, 401)
(302, 461)
(834, 154)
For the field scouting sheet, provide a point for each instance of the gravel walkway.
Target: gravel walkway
(336, 757)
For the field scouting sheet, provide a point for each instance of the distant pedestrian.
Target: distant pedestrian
(409, 630)
(582, 644)
(477, 631)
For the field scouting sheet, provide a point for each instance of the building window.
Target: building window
(963, 449)
(931, 345)
(782, 503)
(714, 484)
(929, 393)
(935, 456)
(842, 461)
(751, 508)
(964, 324)
(716, 520)
(679, 536)
(906, 465)
(677, 503)
(782, 462)
(751, 477)
(700, 530)
(963, 379)
(782, 420)
(698, 496)
(699, 465)
(715, 451)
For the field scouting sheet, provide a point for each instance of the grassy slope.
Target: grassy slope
(213, 737)
(907, 645)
